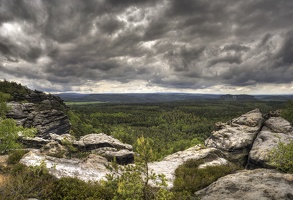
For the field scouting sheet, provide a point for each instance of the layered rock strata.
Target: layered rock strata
(45, 119)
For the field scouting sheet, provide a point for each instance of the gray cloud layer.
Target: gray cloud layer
(190, 44)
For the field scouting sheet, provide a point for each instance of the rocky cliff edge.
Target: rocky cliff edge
(245, 141)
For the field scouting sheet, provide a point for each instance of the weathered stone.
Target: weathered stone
(279, 125)
(235, 138)
(62, 138)
(45, 121)
(35, 142)
(54, 149)
(90, 169)
(170, 163)
(262, 184)
(265, 142)
(123, 156)
(95, 141)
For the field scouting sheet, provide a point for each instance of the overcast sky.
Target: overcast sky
(216, 46)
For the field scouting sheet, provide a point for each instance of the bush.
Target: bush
(9, 133)
(15, 156)
(190, 178)
(72, 188)
(133, 181)
(28, 182)
(282, 157)
(287, 113)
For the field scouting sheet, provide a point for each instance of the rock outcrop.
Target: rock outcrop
(92, 168)
(170, 163)
(95, 141)
(250, 185)
(106, 146)
(46, 119)
(235, 138)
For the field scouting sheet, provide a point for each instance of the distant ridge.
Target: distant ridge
(165, 97)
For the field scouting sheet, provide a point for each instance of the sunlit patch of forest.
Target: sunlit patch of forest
(173, 126)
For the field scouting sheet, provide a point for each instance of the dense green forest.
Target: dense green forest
(172, 126)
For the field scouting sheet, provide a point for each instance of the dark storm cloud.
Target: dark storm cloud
(227, 59)
(286, 52)
(169, 43)
(236, 47)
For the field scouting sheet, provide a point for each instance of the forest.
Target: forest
(173, 126)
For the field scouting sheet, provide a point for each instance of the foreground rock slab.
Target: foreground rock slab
(91, 168)
(262, 184)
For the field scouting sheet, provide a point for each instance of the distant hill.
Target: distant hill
(134, 97)
(165, 97)
(242, 97)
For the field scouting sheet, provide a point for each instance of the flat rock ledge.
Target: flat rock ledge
(262, 184)
(91, 168)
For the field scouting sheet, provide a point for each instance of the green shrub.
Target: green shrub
(190, 178)
(72, 188)
(287, 112)
(3, 107)
(28, 182)
(9, 133)
(15, 156)
(282, 157)
(133, 181)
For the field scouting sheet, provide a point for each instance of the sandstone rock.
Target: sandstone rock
(279, 125)
(269, 139)
(54, 149)
(44, 120)
(250, 185)
(170, 163)
(35, 142)
(62, 138)
(95, 141)
(236, 137)
(123, 156)
(90, 169)
(275, 113)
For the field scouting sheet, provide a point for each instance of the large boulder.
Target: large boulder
(262, 184)
(95, 141)
(170, 163)
(279, 125)
(235, 138)
(276, 130)
(106, 146)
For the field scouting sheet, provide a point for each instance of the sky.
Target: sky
(123, 46)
